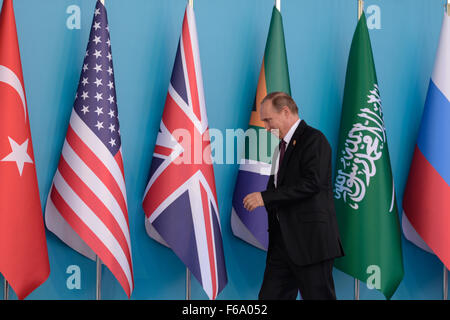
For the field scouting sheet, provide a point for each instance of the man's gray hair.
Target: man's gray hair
(280, 100)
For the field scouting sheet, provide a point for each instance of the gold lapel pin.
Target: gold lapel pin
(294, 142)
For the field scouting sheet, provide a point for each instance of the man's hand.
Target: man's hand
(253, 201)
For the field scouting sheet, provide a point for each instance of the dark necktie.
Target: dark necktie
(282, 151)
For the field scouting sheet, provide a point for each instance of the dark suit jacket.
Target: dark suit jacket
(303, 199)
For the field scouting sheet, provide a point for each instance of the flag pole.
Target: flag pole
(360, 12)
(356, 289)
(188, 284)
(278, 4)
(445, 284)
(98, 280)
(6, 290)
(360, 8)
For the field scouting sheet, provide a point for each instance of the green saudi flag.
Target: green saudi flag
(364, 191)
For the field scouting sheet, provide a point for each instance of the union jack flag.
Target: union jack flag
(180, 201)
(87, 206)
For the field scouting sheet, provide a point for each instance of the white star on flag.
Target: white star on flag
(98, 54)
(99, 111)
(99, 125)
(97, 39)
(19, 154)
(99, 96)
(98, 68)
(85, 95)
(98, 82)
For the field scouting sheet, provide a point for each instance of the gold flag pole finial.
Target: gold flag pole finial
(447, 7)
(360, 8)
(191, 3)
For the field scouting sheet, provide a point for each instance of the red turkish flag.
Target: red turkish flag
(23, 248)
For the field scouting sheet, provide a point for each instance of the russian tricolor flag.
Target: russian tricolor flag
(426, 203)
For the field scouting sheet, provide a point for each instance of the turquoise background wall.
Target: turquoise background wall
(232, 35)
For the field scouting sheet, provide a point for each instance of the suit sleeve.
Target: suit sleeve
(314, 167)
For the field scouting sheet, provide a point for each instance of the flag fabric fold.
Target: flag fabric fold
(364, 190)
(426, 202)
(87, 204)
(23, 249)
(255, 167)
(180, 201)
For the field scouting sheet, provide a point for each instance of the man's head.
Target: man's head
(278, 112)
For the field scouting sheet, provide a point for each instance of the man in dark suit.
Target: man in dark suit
(303, 232)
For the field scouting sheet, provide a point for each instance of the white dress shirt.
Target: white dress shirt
(287, 138)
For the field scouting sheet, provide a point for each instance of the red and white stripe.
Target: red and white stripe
(87, 207)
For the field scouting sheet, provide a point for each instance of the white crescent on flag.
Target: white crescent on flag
(9, 77)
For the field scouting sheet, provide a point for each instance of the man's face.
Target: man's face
(275, 122)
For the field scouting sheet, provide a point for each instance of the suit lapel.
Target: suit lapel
(290, 148)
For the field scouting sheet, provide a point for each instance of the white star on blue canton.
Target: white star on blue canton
(85, 95)
(97, 39)
(98, 68)
(99, 96)
(98, 54)
(99, 125)
(85, 109)
(99, 111)
(98, 82)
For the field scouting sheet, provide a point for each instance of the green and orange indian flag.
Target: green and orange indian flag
(255, 165)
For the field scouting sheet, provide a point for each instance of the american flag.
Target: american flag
(87, 206)
(180, 201)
